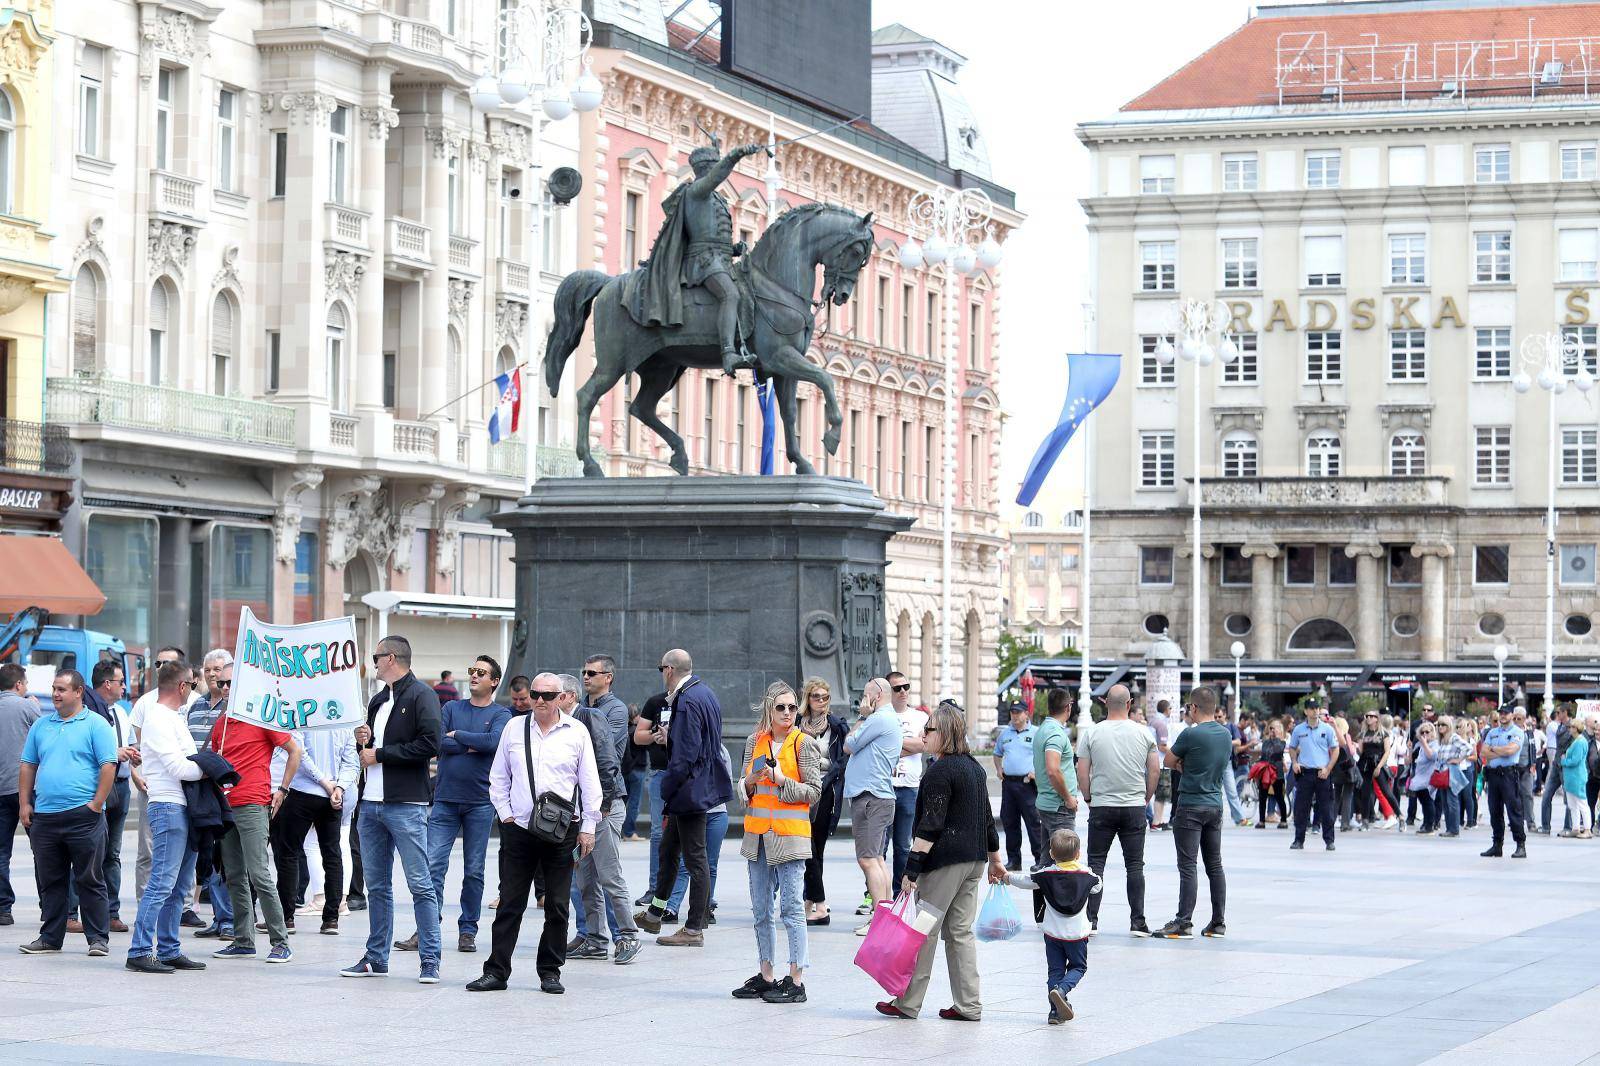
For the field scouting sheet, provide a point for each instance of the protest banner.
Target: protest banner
(296, 677)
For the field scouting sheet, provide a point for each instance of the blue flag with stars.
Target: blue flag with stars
(767, 400)
(1090, 379)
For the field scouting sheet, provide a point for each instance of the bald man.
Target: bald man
(1118, 767)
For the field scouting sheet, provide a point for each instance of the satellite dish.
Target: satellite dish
(564, 184)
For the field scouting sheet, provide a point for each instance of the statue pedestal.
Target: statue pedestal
(759, 578)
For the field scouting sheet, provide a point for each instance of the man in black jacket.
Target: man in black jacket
(398, 741)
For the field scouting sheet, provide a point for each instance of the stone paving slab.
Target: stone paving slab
(1393, 949)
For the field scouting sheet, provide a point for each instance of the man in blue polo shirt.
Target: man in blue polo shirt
(1502, 743)
(1019, 792)
(1313, 749)
(69, 763)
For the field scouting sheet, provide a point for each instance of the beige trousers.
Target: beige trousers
(954, 890)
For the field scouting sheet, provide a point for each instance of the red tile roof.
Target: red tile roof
(1242, 69)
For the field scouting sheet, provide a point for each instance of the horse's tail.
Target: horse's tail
(573, 299)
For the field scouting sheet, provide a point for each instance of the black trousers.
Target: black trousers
(521, 855)
(1311, 790)
(1505, 795)
(358, 889)
(1125, 825)
(683, 840)
(1019, 807)
(1197, 828)
(821, 817)
(1275, 794)
(300, 813)
(71, 843)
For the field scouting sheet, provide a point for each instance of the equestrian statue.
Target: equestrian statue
(704, 302)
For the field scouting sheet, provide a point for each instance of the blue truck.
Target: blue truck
(27, 638)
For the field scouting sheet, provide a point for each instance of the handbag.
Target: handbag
(1440, 778)
(889, 953)
(553, 816)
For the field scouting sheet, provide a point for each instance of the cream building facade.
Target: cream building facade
(1373, 485)
(1044, 573)
(291, 243)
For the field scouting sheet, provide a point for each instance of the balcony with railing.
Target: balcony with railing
(416, 35)
(342, 431)
(515, 278)
(1317, 492)
(35, 449)
(510, 459)
(174, 197)
(416, 438)
(347, 227)
(409, 245)
(105, 401)
(461, 249)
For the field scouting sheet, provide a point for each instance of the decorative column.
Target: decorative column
(442, 143)
(1263, 599)
(1200, 605)
(1433, 598)
(1369, 598)
(375, 123)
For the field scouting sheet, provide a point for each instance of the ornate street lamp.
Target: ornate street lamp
(1557, 360)
(537, 47)
(957, 234)
(1501, 653)
(1237, 651)
(1196, 323)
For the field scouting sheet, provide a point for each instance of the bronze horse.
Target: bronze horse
(777, 316)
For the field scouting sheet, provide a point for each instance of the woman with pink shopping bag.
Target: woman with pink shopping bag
(939, 894)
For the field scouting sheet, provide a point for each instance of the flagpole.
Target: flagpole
(1086, 574)
(470, 392)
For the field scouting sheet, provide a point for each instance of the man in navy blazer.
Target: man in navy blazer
(694, 781)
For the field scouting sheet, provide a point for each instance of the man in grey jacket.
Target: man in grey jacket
(597, 881)
(18, 712)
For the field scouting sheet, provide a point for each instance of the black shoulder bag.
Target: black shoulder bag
(553, 816)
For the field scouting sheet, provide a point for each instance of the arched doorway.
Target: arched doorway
(930, 657)
(971, 664)
(902, 643)
(361, 576)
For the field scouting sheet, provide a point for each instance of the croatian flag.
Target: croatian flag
(508, 409)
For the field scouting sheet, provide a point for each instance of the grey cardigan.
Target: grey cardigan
(780, 849)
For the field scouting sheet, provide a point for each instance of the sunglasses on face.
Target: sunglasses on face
(785, 708)
(900, 688)
(596, 673)
(380, 656)
(477, 671)
(545, 696)
(663, 668)
(225, 683)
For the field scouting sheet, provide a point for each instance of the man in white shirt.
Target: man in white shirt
(141, 870)
(559, 752)
(907, 772)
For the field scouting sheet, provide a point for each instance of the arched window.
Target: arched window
(1323, 455)
(1239, 455)
(1033, 520)
(1408, 454)
(8, 154)
(224, 328)
(1321, 634)
(337, 330)
(86, 320)
(504, 360)
(162, 313)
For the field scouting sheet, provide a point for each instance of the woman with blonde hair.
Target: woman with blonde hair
(818, 722)
(1448, 755)
(953, 835)
(782, 780)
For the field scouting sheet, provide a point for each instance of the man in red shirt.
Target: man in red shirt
(244, 850)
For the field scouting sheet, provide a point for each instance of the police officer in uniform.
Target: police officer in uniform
(1503, 743)
(1313, 749)
(1019, 793)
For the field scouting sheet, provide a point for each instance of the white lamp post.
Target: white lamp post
(537, 45)
(950, 220)
(1196, 323)
(1557, 361)
(1500, 654)
(1237, 651)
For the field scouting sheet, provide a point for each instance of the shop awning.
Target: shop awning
(40, 572)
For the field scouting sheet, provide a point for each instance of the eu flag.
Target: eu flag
(1090, 379)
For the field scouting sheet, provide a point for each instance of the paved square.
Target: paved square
(1393, 949)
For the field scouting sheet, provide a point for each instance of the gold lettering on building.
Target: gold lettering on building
(1239, 316)
(1401, 307)
(1321, 314)
(1448, 309)
(1363, 313)
(1577, 308)
(1280, 313)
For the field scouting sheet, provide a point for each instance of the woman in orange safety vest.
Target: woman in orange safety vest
(782, 779)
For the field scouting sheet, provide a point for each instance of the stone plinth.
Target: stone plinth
(758, 578)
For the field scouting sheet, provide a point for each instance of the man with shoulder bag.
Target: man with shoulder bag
(545, 787)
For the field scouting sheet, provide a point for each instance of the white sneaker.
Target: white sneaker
(861, 930)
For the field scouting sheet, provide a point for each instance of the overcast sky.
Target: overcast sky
(1035, 69)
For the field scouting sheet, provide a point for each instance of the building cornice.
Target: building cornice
(1526, 199)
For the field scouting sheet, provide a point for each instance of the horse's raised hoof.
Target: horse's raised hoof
(592, 469)
(830, 440)
(680, 463)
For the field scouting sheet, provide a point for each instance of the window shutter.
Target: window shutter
(1323, 255)
(222, 325)
(85, 319)
(158, 307)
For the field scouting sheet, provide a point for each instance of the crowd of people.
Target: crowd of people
(226, 811)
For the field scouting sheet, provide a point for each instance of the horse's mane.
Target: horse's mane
(791, 219)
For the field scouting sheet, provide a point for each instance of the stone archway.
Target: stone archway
(930, 658)
(972, 663)
(902, 643)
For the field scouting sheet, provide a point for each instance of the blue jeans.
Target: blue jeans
(784, 884)
(1450, 804)
(470, 821)
(1230, 796)
(655, 819)
(161, 906)
(905, 819)
(635, 780)
(716, 830)
(1068, 961)
(387, 828)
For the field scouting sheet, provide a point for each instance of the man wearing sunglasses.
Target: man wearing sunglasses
(599, 890)
(469, 733)
(396, 745)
